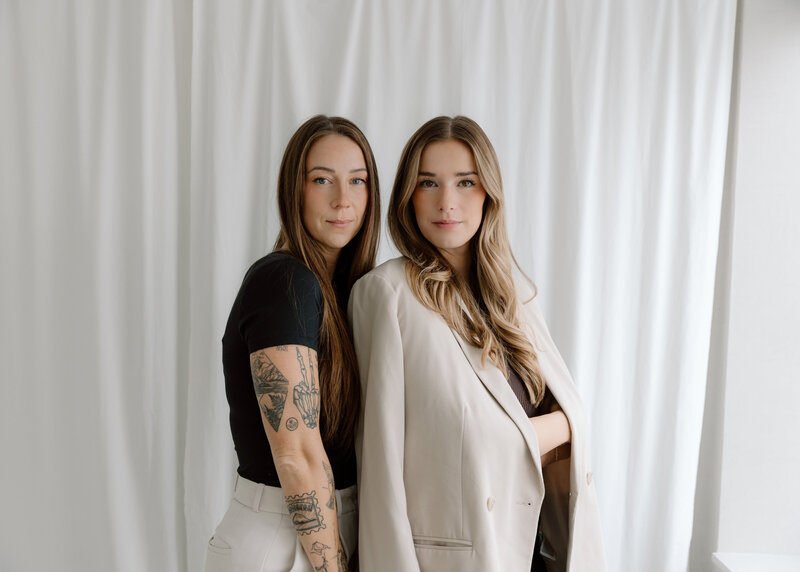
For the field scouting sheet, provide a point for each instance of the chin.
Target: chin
(338, 242)
(449, 244)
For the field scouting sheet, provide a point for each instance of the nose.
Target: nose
(447, 198)
(341, 198)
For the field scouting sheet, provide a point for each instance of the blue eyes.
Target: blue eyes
(326, 181)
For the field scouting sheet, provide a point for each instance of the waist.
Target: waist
(264, 498)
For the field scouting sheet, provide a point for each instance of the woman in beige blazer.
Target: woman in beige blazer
(472, 436)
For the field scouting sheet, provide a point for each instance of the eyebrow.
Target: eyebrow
(329, 170)
(429, 174)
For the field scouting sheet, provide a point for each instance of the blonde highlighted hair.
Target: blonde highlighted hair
(338, 369)
(490, 320)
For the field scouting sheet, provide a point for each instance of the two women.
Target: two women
(471, 447)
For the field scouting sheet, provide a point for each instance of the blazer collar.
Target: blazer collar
(497, 385)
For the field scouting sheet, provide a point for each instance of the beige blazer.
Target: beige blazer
(450, 477)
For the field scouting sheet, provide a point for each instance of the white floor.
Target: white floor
(751, 562)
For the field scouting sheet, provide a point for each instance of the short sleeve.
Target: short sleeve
(280, 304)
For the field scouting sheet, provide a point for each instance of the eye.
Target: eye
(358, 181)
(321, 181)
(426, 184)
(466, 183)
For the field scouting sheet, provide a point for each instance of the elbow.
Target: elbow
(294, 462)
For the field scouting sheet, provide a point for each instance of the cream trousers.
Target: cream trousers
(257, 535)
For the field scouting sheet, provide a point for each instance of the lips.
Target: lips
(445, 224)
(340, 223)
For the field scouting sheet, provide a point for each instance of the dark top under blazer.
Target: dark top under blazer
(279, 303)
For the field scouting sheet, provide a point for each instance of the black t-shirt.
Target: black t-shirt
(279, 303)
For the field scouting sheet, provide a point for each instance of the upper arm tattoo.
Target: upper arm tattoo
(306, 393)
(271, 388)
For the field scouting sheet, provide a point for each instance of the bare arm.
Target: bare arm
(287, 388)
(553, 433)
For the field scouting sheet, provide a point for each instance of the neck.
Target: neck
(331, 258)
(460, 260)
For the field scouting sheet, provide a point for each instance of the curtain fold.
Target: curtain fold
(93, 170)
(139, 148)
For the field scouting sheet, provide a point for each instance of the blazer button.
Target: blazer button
(589, 478)
(489, 504)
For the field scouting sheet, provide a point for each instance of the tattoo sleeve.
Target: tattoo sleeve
(306, 393)
(271, 388)
(308, 486)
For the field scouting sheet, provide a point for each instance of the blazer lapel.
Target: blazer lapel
(497, 385)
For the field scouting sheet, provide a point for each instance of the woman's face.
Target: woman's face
(448, 200)
(335, 193)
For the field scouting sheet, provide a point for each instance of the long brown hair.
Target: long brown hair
(490, 321)
(340, 393)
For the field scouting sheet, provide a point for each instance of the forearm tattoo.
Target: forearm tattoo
(323, 551)
(305, 513)
(271, 388)
(331, 504)
(306, 393)
(319, 548)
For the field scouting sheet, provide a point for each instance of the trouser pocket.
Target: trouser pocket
(218, 555)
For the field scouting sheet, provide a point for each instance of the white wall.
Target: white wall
(759, 502)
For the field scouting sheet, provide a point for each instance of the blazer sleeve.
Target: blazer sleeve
(384, 539)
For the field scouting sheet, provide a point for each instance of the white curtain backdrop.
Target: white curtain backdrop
(139, 146)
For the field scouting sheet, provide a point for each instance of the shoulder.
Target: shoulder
(391, 275)
(280, 279)
(528, 299)
(525, 288)
(282, 271)
(380, 287)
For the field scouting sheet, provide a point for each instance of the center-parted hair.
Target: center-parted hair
(490, 320)
(338, 369)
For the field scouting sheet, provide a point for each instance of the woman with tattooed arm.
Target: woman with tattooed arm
(291, 376)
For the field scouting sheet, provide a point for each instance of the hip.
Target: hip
(257, 535)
